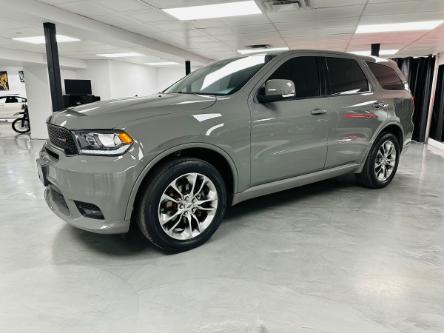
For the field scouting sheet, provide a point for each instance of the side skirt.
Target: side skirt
(285, 184)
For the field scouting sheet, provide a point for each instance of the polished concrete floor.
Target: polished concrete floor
(329, 257)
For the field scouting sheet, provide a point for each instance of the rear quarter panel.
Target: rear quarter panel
(401, 103)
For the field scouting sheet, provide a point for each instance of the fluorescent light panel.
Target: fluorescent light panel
(162, 63)
(385, 52)
(120, 55)
(41, 39)
(253, 50)
(238, 8)
(396, 27)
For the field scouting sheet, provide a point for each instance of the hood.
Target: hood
(115, 113)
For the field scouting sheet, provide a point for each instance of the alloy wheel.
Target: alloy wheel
(187, 206)
(385, 161)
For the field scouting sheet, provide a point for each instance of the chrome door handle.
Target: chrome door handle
(317, 112)
(380, 105)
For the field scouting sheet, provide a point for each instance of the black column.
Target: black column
(187, 67)
(375, 49)
(52, 59)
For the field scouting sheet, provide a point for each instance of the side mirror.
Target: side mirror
(276, 90)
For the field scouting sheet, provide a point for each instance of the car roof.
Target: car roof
(325, 53)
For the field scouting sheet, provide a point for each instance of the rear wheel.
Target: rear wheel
(382, 162)
(183, 204)
(21, 125)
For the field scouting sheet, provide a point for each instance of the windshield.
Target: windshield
(220, 78)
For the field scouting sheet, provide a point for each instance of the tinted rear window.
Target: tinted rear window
(345, 76)
(386, 76)
(303, 71)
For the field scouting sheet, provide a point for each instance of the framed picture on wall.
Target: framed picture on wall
(4, 84)
(22, 76)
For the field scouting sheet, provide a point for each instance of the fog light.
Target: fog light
(89, 210)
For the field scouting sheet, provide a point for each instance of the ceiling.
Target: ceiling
(330, 24)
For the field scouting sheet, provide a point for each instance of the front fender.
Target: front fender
(152, 163)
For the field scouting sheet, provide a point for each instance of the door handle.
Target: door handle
(317, 112)
(380, 105)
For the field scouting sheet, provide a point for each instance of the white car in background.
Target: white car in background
(10, 105)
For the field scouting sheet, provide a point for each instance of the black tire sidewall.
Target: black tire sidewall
(19, 131)
(148, 218)
(371, 161)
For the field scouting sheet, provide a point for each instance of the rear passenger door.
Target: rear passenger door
(354, 110)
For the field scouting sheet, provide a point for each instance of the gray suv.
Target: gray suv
(236, 129)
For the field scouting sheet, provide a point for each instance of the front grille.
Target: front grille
(62, 138)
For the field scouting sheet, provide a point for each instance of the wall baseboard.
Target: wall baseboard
(436, 144)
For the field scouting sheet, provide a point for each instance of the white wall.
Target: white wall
(116, 79)
(441, 59)
(15, 86)
(168, 75)
(130, 79)
(19, 88)
(98, 72)
(39, 99)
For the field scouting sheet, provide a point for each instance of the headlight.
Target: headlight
(103, 142)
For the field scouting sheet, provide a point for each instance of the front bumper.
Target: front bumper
(103, 181)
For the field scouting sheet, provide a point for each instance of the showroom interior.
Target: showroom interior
(325, 256)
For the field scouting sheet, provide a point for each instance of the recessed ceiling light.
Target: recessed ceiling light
(162, 63)
(262, 50)
(395, 27)
(238, 8)
(41, 39)
(120, 55)
(386, 52)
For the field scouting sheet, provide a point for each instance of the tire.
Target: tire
(154, 207)
(17, 126)
(373, 176)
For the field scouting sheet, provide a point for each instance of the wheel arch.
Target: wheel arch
(212, 154)
(396, 130)
(391, 127)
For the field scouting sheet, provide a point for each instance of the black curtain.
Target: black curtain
(437, 124)
(419, 73)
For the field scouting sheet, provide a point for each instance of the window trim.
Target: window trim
(267, 75)
(377, 80)
(358, 62)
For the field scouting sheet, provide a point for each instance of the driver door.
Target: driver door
(289, 137)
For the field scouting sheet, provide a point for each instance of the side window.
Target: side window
(386, 76)
(345, 76)
(303, 71)
(11, 100)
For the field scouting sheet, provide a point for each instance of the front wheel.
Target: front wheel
(382, 162)
(182, 205)
(21, 125)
